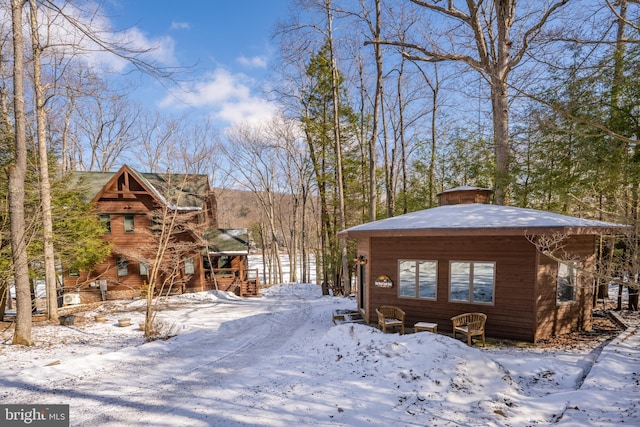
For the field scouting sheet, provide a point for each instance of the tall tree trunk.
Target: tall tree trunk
(500, 106)
(17, 172)
(434, 135)
(403, 142)
(338, 146)
(373, 193)
(45, 186)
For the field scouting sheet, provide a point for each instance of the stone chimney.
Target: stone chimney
(465, 195)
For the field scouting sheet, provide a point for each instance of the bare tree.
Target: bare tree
(73, 93)
(175, 234)
(375, 29)
(295, 207)
(17, 172)
(252, 154)
(45, 186)
(493, 52)
(109, 128)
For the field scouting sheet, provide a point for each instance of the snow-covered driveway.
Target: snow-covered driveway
(180, 381)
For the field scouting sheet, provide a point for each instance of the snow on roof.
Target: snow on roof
(478, 216)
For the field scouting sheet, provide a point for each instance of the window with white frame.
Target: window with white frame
(189, 266)
(567, 282)
(472, 282)
(417, 279)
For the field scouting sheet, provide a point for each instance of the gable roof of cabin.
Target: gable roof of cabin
(478, 218)
(189, 190)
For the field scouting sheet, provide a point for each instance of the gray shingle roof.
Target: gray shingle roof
(227, 241)
(186, 191)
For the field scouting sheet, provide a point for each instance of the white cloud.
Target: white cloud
(227, 95)
(180, 25)
(252, 110)
(254, 62)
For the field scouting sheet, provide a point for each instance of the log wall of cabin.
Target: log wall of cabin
(123, 243)
(510, 316)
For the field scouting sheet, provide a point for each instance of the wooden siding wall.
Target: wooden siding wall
(560, 318)
(464, 197)
(522, 310)
(511, 316)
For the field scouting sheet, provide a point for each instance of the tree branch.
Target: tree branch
(534, 31)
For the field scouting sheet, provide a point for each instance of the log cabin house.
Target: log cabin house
(130, 204)
(467, 255)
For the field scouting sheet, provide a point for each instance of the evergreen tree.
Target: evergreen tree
(318, 123)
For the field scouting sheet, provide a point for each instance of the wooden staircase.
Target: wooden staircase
(249, 289)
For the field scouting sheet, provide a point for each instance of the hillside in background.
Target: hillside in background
(237, 208)
(241, 209)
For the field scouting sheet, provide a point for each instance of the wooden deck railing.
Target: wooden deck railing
(250, 275)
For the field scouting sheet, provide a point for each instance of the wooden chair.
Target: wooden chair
(469, 324)
(389, 316)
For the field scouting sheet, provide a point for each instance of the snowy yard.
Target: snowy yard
(278, 360)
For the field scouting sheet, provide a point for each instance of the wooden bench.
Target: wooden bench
(389, 316)
(469, 324)
(426, 326)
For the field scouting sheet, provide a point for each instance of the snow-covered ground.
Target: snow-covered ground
(278, 360)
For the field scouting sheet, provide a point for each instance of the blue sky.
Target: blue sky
(228, 43)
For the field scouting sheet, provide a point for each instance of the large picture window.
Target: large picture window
(567, 281)
(472, 282)
(417, 279)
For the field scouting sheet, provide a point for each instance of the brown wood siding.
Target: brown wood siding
(511, 315)
(524, 296)
(555, 318)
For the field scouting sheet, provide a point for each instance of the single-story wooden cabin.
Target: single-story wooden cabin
(131, 205)
(467, 255)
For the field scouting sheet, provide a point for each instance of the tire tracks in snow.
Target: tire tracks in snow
(237, 345)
